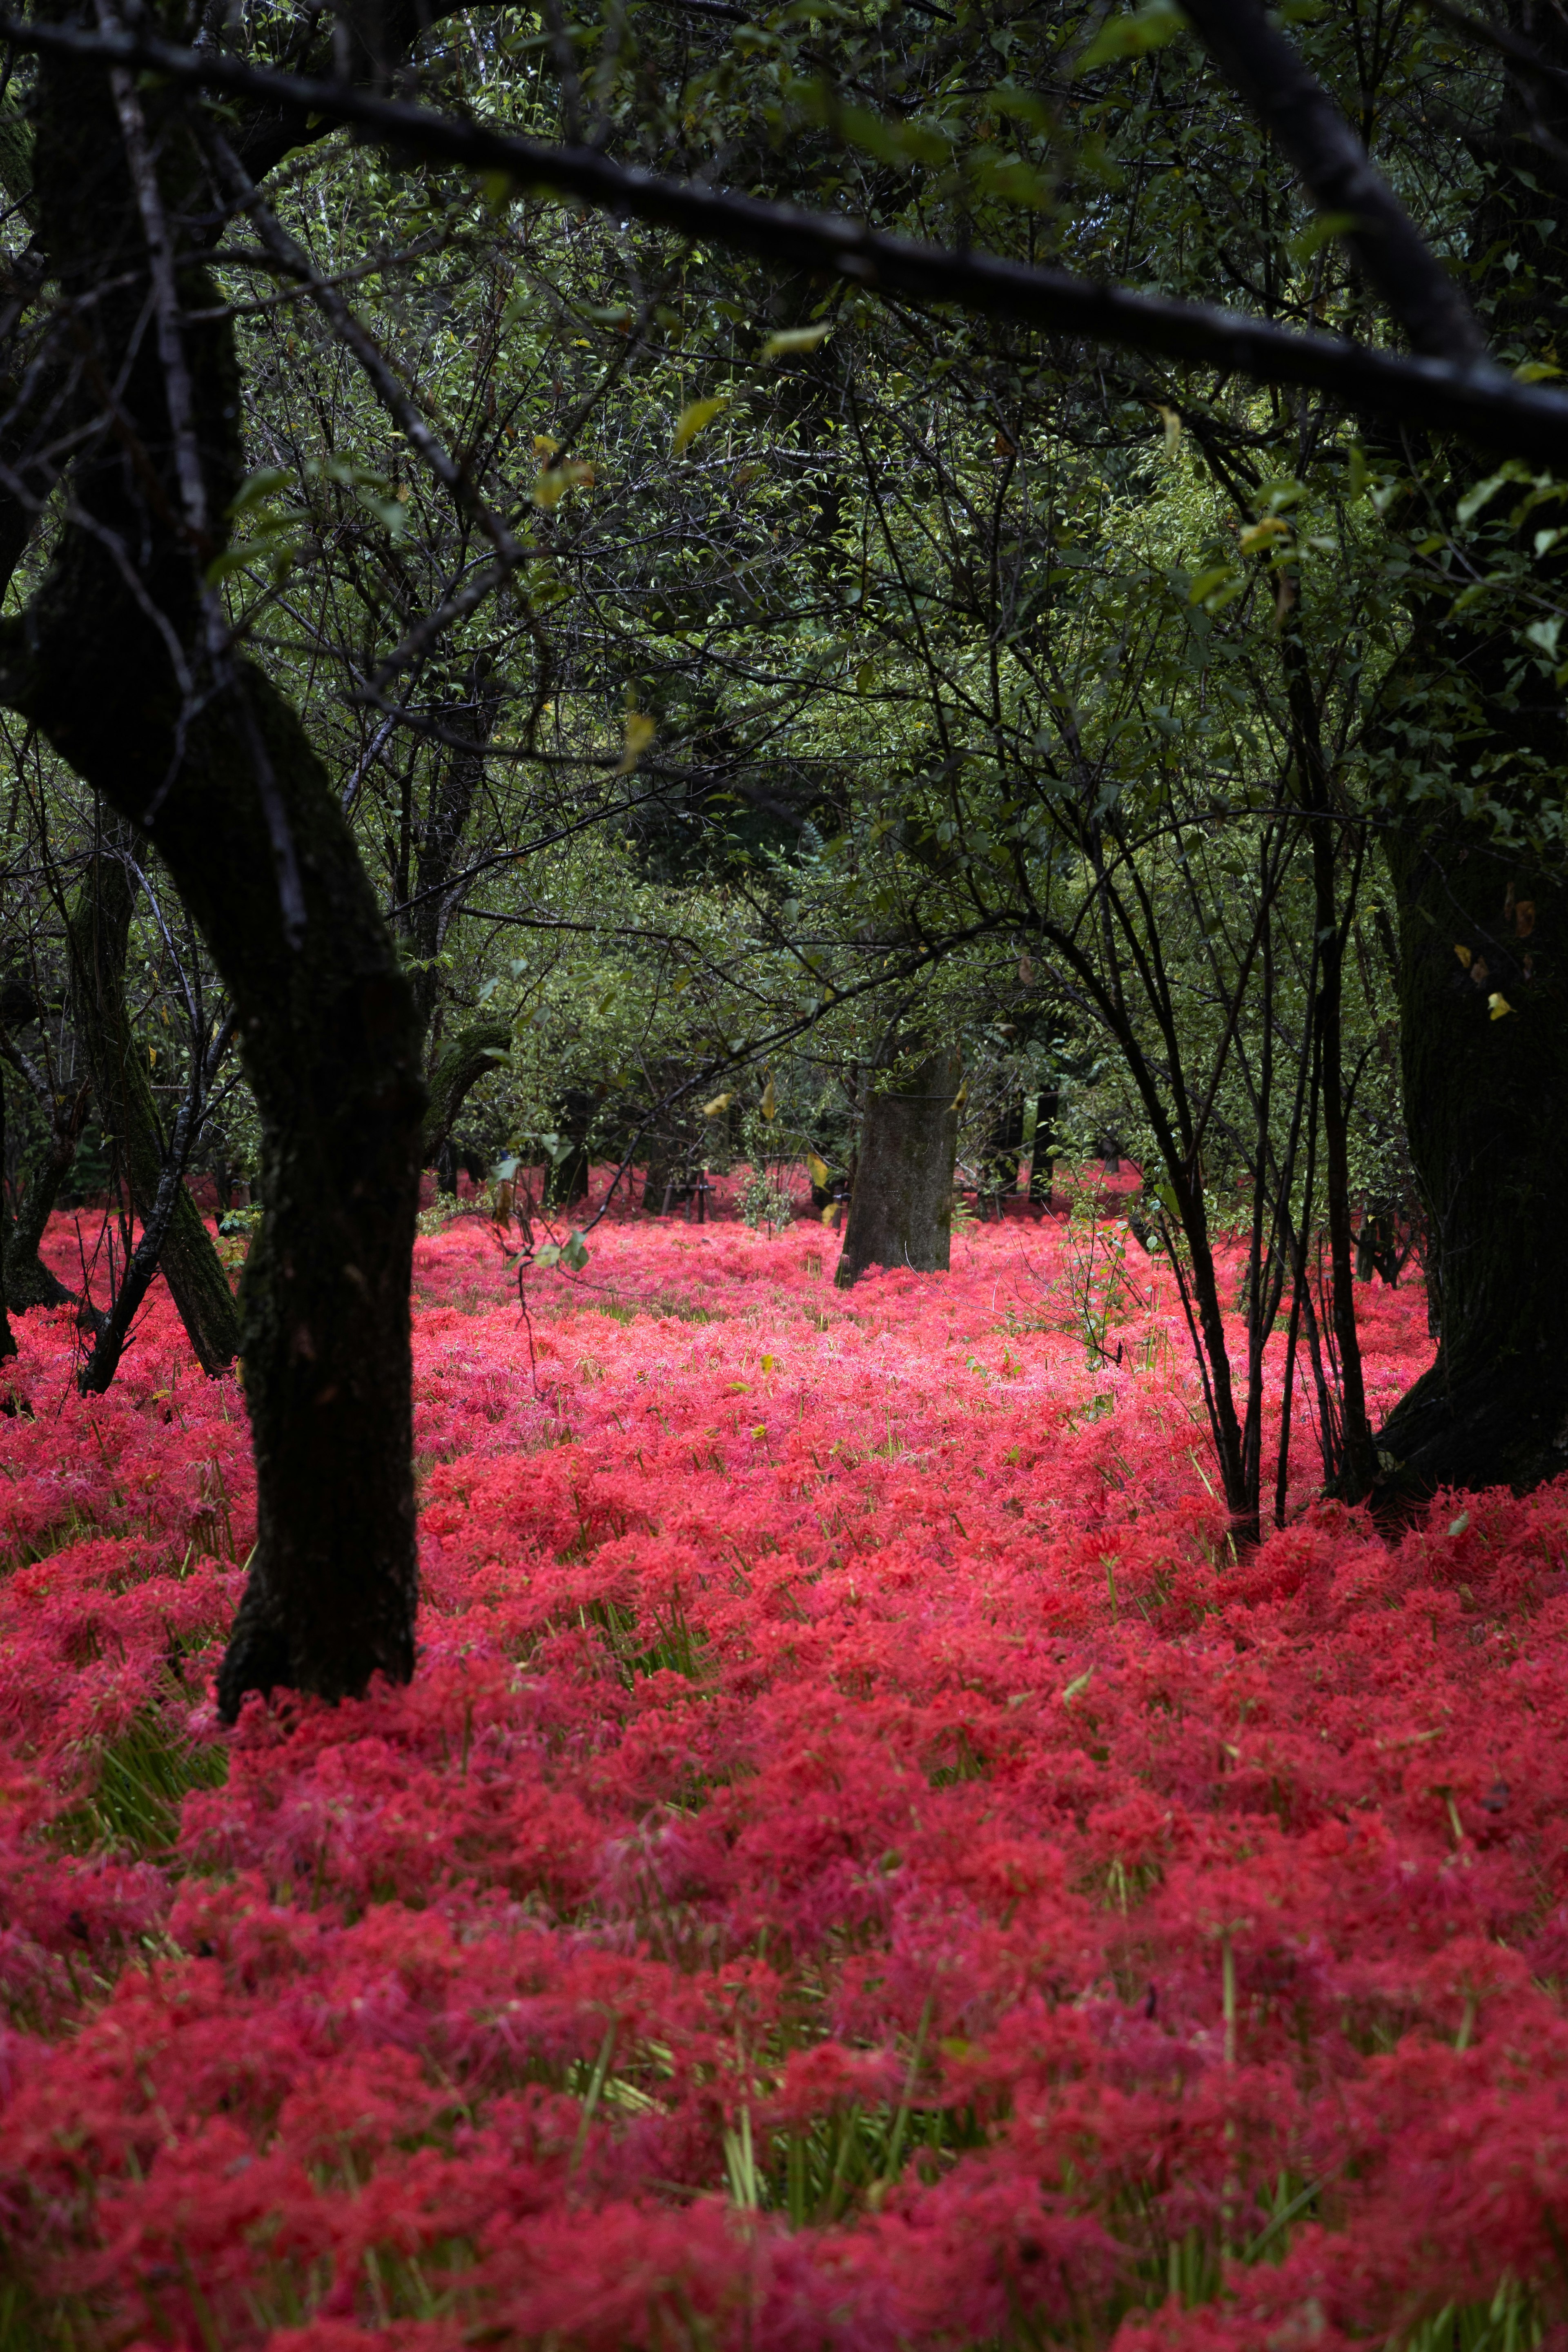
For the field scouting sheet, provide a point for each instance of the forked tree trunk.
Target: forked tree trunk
(244, 815)
(99, 930)
(1486, 1096)
(900, 1211)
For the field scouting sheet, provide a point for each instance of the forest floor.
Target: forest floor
(861, 1864)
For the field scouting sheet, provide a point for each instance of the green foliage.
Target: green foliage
(140, 1779)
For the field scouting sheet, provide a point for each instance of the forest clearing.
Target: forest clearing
(861, 1862)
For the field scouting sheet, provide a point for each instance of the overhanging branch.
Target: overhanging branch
(1475, 399)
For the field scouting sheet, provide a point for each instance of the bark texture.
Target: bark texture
(99, 930)
(472, 1054)
(232, 792)
(1486, 1100)
(28, 1281)
(1487, 1111)
(7, 1337)
(900, 1211)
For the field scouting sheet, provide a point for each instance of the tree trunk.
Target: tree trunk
(218, 769)
(99, 927)
(471, 1056)
(28, 1281)
(566, 1179)
(1042, 1160)
(1482, 932)
(900, 1211)
(1485, 1097)
(8, 1337)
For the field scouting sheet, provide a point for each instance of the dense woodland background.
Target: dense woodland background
(498, 680)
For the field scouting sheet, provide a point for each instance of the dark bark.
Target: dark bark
(1042, 1161)
(99, 927)
(1483, 402)
(28, 1281)
(1357, 1464)
(7, 1337)
(1487, 1109)
(566, 1179)
(1264, 66)
(98, 1372)
(246, 820)
(1483, 932)
(900, 1211)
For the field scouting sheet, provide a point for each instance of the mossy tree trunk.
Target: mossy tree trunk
(900, 1211)
(218, 767)
(468, 1058)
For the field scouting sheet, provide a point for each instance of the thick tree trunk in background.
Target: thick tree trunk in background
(472, 1054)
(566, 1179)
(98, 929)
(7, 1337)
(28, 1282)
(229, 785)
(1043, 1150)
(1486, 1101)
(900, 1211)
(1487, 1111)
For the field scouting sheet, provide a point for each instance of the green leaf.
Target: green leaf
(573, 1253)
(1321, 231)
(264, 484)
(790, 341)
(1203, 586)
(1470, 505)
(1129, 37)
(693, 419)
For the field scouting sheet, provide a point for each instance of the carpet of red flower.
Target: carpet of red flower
(862, 1863)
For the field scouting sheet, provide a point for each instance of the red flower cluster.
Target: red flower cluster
(861, 1865)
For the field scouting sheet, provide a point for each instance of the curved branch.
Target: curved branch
(1472, 397)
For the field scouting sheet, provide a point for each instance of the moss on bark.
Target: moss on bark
(900, 1211)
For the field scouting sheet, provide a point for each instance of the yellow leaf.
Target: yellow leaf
(543, 447)
(770, 1106)
(1262, 534)
(693, 419)
(719, 1103)
(829, 1213)
(554, 482)
(767, 1363)
(1172, 430)
(790, 340)
(819, 1169)
(640, 732)
(1463, 954)
(1500, 1007)
(961, 1098)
